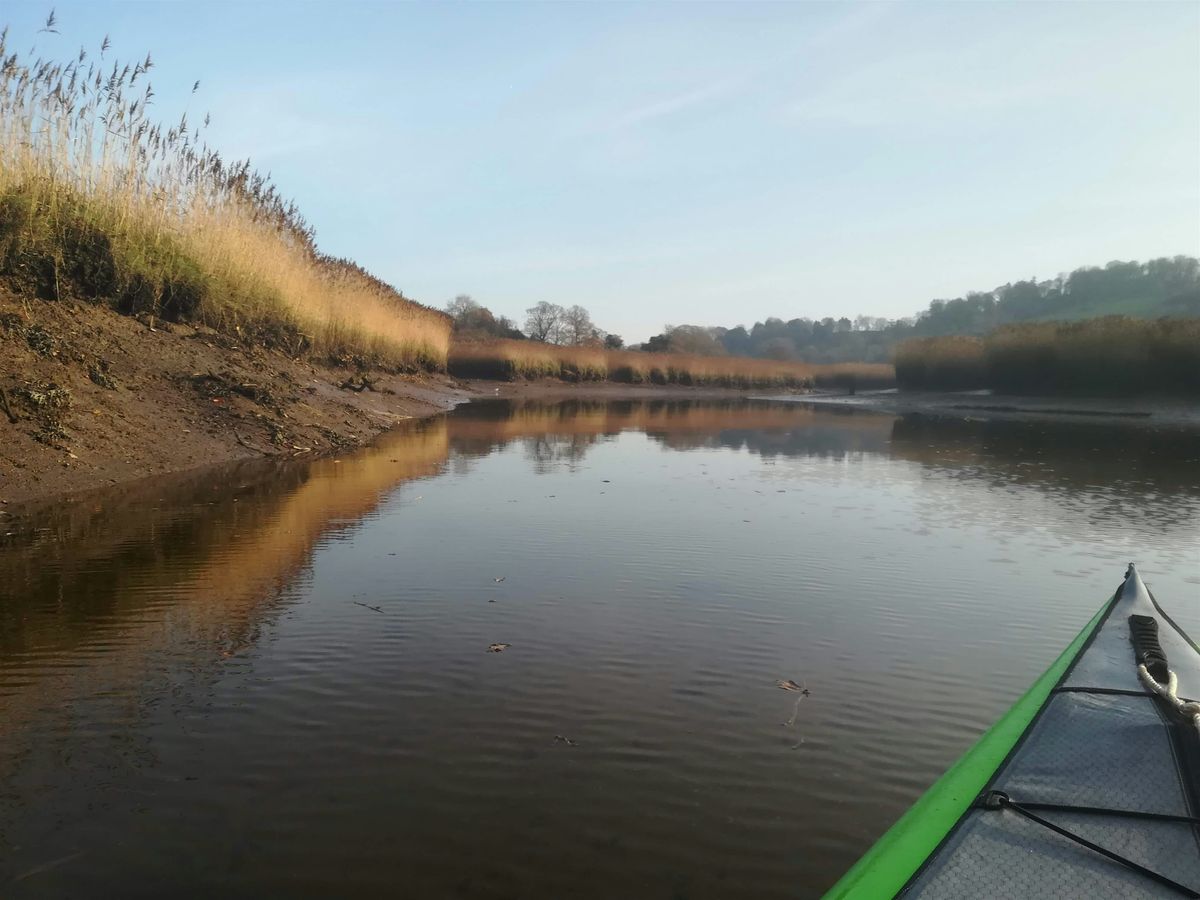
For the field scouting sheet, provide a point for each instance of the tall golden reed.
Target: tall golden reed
(98, 201)
(508, 359)
(1112, 355)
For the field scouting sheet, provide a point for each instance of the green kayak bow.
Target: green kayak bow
(1089, 786)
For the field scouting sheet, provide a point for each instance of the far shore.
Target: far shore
(179, 399)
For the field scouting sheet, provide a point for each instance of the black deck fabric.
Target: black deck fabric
(1101, 742)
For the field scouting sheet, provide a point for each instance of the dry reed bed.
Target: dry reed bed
(1113, 355)
(99, 202)
(511, 360)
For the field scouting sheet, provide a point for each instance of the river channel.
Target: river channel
(532, 649)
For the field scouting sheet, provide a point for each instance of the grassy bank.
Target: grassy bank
(513, 360)
(1114, 355)
(98, 202)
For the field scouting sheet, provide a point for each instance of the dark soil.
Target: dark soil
(91, 397)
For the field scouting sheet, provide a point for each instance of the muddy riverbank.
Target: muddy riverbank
(90, 398)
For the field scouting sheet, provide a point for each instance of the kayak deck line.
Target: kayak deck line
(1124, 692)
(1001, 800)
(1095, 810)
(1089, 744)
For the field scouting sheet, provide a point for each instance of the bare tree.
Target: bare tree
(461, 307)
(543, 322)
(577, 327)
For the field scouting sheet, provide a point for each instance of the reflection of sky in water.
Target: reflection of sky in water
(662, 566)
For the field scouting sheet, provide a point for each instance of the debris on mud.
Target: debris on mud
(210, 385)
(224, 385)
(39, 340)
(99, 374)
(13, 418)
(359, 383)
(255, 392)
(12, 325)
(48, 400)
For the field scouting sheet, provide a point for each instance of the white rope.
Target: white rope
(1169, 693)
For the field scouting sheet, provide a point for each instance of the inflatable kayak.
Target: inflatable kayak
(1088, 787)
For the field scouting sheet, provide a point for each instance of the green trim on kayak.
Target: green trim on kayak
(889, 865)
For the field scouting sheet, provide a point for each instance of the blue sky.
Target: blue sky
(698, 163)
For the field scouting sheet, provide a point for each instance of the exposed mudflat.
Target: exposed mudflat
(91, 398)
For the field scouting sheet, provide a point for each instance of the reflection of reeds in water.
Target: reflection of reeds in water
(212, 549)
(1145, 473)
(110, 585)
(335, 494)
(91, 606)
(677, 423)
(520, 419)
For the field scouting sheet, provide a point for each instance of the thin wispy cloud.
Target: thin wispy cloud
(888, 95)
(985, 78)
(271, 121)
(916, 87)
(850, 24)
(667, 107)
(753, 78)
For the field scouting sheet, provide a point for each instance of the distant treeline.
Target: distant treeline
(1169, 286)
(1113, 355)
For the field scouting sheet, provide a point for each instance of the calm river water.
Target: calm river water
(268, 682)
